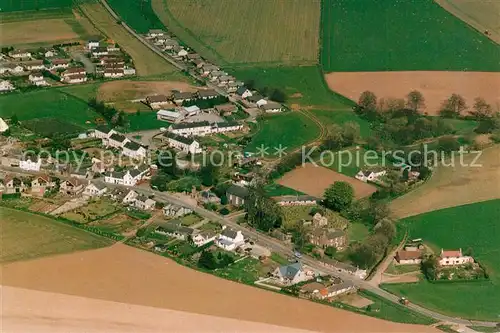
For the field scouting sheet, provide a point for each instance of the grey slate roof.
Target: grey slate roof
(118, 137)
(230, 233)
(207, 93)
(175, 226)
(191, 125)
(132, 145)
(289, 271)
(241, 192)
(178, 138)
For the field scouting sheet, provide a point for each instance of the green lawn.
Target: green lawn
(245, 271)
(275, 190)
(290, 130)
(145, 120)
(462, 127)
(360, 35)
(139, 15)
(20, 5)
(25, 236)
(476, 226)
(303, 85)
(401, 269)
(340, 117)
(357, 232)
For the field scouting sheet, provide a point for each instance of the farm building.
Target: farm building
(271, 107)
(156, 101)
(226, 109)
(207, 94)
(296, 200)
(407, 257)
(367, 175)
(179, 97)
(167, 115)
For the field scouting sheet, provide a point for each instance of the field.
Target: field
(241, 31)
(290, 130)
(52, 31)
(304, 86)
(453, 186)
(352, 40)
(118, 224)
(138, 15)
(114, 91)
(476, 226)
(51, 126)
(21, 5)
(27, 236)
(482, 15)
(146, 61)
(47, 103)
(435, 86)
(340, 117)
(315, 180)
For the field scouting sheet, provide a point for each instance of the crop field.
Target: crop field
(146, 61)
(359, 35)
(113, 91)
(50, 31)
(240, 31)
(21, 5)
(304, 86)
(51, 126)
(118, 224)
(454, 186)
(475, 226)
(290, 130)
(26, 236)
(482, 15)
(138, 15)
(47, 103)
(314, 181)
(435, 86)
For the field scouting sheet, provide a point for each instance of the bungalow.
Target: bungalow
(6, 85)
(296, 200)
(193, 56)
(233, 86)
(257, 99)
(406, 257)
(41, 184)
(182, 143)
(207, 94)
(335, 290)
(230, 239)
(180, 97)
(170, 116)
(112, 59)
(328, 237)
(73, 71)
(99, 51)
(30, 163)
(78, 78)
(160, 40)
(226, 109)
(155, 101)
(292, 274)
(113, 48)
(34, 65)
(204, 237)
(144, 203)
(113, 73)
(454, 258)
(95, 190)
(72, 186)
(344, 268)
(271, 107)
(115, 140)
(174, 229)
(179, 51)
(134, 150)
(236, 195)
(172, 210)
(367, 175)
(59, 63)
(92, 44)
(243, 92)
(130, 197)
(226, 126)
(199, 128)
(207, 69)
(20, 54)
(152, 33)
(103, 132)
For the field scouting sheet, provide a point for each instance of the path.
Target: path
(376, 277)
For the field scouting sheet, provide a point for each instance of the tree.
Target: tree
(299, 236)
(330, 251)
(339, 196)
(14, 120)
(209, 174)
(386, 227)
(350, 133)
(368, 101)
(160, 181)
(334, 139)
(378, 211)
(415, 100)
(448, 144)
(429, 267)
(481, 110)
(262, 212)
(278, 96)
(363, 255)
(453, 107)
(207, 260)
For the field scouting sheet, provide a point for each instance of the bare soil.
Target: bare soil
(37, 31)
(435, 86)
(129, 90)
(356, 300)
(123, 274)
(405, 278)
(314, 181)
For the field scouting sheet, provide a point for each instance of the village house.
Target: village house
(50, 53)
(296, 200)
(160, 40)
(116, 194)
(208, 197)
(179, 52)
(170, 44)
(113, 73)
(174, 229)
(144, 203)
(130, 197)
(156, 101)
(129, 177)
(236, 195)
(454, 258)
(198, 62)
(11, 68)
(199, 128)
(292, 274)
(204, 237)
(20, 54)
(207, 69)
(98, 166)
(180, 97)
(230, 239)
(172, 210)
(170, 116)
(344, 268)
(328, 237)
(95, 190)
(114, 60)
(182, 143)
(134, 150)
(72, 186)
(128, 71)
(99, 51)
(115, 140)
(224, 80)
(92, 44)
(41, 184)
(207, 94)
(226, 109)
(319, 221)
(284, 237)
(152, 33)
(78, 78)
(213, 76)
(102, 132)
(13, 184)
(34, 65)
(189, 111)
(257, 99)
(244, 179)
(368, 175)
(113, 48)
(271, 107)
(30, 163)
(35, 76)
(59, 64)
(226, 126)
(6, 85)
(335, 290)
(193, 56)
(73, 71)
(408, 257)
(3, 126)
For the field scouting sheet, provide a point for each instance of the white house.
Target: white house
(34, 65)
(407, 257)
(134, 150)
(3, 126)
(271, 107)
(113, 73)
(292, 274)
(170, 44)
(91, 44)
(454, 258)
(130, 197)
(6, 86)
(99, 51)
(297, 200)
(204, 237)
(367, 175)
(171, 210)
(129, 71)
(155, 33)
(174, 229)
(115, 140)
(129, 178)
(78, 78)
(19, 54)
(144, 203)
(103, 132)
(30, 163)
(11, 68)
(94, 190)
(50, 53)
(185, 144)
(59, 63)
(73, 71)
(35, 76)
(226, 126)
(199, 128)
(230, 239)
(257, 99)
(170, 116)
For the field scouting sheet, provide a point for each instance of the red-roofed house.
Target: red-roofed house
(453, 258)
(405, 257)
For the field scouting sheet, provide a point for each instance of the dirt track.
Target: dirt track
(435, 86)
(124, 274)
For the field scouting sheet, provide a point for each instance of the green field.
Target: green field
(290, 130)
(275, 190)
(302, 85)
(20, 5)
(139, 15)
(53, 13)
(476, 226)
(360, 35)
(47, 103)
(462, 127)
(340, 117)
(26, 236)
(144, 121)
(241, 31)
(47, 127)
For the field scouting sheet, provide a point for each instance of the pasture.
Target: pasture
(360, 35)
(47, 127)
(27, 236)
(146, 61)
(122, 90)
(453, 186)
(314, 180)
(138, 15)
(340, 117)
(240, 31)
(304, 86)
(22, 5)
(290, 130)
(475, 226)
(435, 86)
